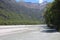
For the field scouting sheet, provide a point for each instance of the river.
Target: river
(28, 32)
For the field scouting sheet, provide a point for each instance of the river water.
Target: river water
(33, 32)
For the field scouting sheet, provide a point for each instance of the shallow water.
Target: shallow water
(34, 32)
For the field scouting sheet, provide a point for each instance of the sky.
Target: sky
(35, 1)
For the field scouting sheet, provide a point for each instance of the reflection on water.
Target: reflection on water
(49, 31)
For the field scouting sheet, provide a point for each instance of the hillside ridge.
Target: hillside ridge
(12, 12)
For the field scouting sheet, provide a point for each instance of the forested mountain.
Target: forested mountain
(12, 12)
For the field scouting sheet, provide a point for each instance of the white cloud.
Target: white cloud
(40, 1)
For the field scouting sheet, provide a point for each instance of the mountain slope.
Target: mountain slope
(12, 12)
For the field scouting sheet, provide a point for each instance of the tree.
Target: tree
(52, 15)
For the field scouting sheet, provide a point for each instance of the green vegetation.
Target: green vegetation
(12, 13)
(52, 15)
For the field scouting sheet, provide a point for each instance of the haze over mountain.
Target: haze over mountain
(12, 12)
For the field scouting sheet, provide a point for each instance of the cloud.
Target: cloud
(40, 1)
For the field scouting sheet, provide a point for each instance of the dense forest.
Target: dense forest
(52, 15)
(13, 13)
